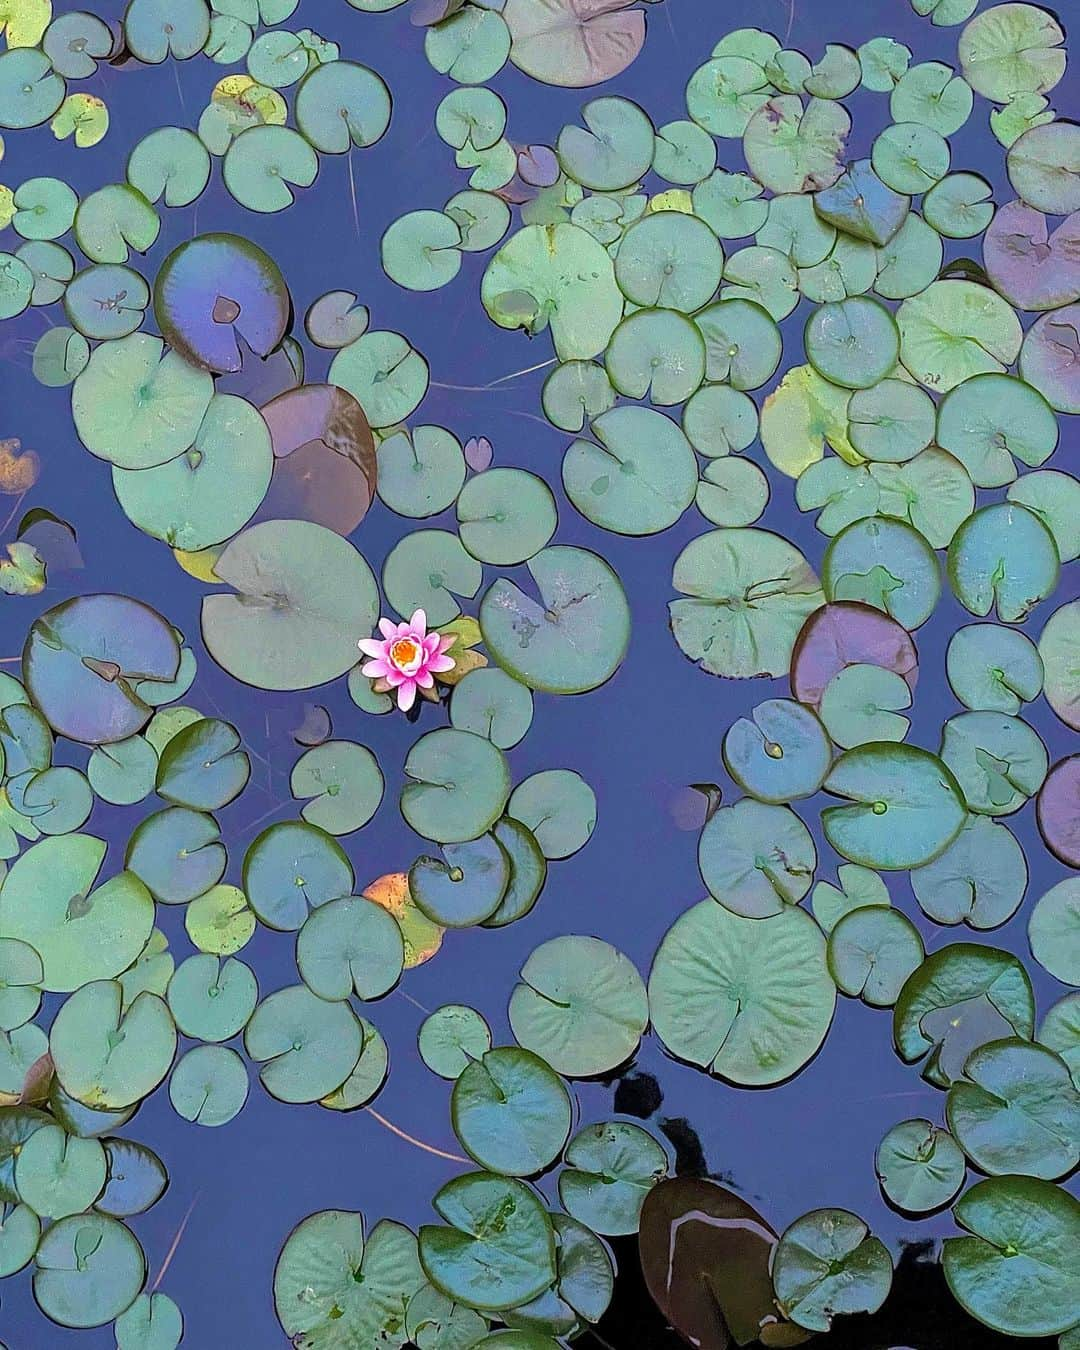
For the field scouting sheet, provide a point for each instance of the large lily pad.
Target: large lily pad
(303, 597)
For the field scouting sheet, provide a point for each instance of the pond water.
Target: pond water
(655, 728)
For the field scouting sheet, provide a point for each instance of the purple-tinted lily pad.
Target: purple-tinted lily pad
(573, 43)
(53, 539)
(705, 1257)
(83, 659)
(214, 289)
(324, 458)
(1058, 811)
(427, 13)
(261, 378)
(848, 633)
(1050, 358)
(1029, 266)
(538, 165)
(478, 453)
(316, 726)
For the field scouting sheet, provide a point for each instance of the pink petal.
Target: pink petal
(388, 628)
(372, 647)
(418, 622)
(445, 643)
(430, 644)
(376, 669)
(424, 679)
(406, 695)
(441, 663)
(394, 677)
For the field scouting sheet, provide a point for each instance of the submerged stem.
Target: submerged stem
(492, 384)
(401, 1134)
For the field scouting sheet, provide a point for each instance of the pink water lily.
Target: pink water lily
(407, 657)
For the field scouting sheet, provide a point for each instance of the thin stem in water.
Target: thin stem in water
(401, 1134)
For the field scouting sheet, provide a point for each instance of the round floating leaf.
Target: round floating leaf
(1016, 1111)
(795, 148)
(206, 494)
(30, 90)
(610, 1170)
(305, 1046)
(20, 1232)
(82, 658)
(105, 1056)
(490, 703)
(505, 516)
(1059, 648)
(883, 563)
(80, 933)
(1048, 359)
(669, 260)
(385, 375)
(800, 417)
(826, 1263)
(203, 766)
(137, 1179)
(341, 784)
(137, 407)
(1012, 49)
(581, 1003)
(1013, 1273)
(993, 668)
(779, 753)
(1030, 266)
(220, 921)
(176, 854)
(466, 887)
(574, 637)
(1054, 931)
(639, 479)
(959, 998)
(656, 353)
(499, 1249)
(421, 250)
(558, 275)
(209, 1085)
(905, 806)
(751, 593)
(748, 999)
(349, 945)
(1058, 811)
(331, 1288)
(842, 634)
(57, 1175)
(264, 163)
(510, 1112)
(460, 785)
(324, 458)
(998, 760)
(342, 104)
(451, 1038)
(573, 43)
(920, 1166)
(88, 1269)
(215, 290)
(1060, 1031)
(170, 163)
(979, 880)
(862, 703)
(558, 807)
(153, 1322)
(211, 1000)
(854, 343)
(872, 951)
(1003, 557)
(293, 867)
(303, 596)
(756, 859)
(421, 470)
(954, 330)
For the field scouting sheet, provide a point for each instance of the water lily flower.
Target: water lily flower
(407, 657)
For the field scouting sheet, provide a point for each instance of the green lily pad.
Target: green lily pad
(610, 1169)
(920, 1166)
(825, 1264)
(748, 999)
(510, 1111)
(1013, 1272)
(580, 1003)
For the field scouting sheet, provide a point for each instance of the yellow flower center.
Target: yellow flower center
(404, 652)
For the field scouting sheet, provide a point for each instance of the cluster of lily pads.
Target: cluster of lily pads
(930, 380)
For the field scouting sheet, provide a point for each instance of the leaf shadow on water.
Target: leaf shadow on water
(919, 1314)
